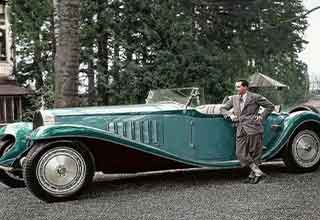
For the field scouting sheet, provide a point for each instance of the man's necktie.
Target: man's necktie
(241, 103)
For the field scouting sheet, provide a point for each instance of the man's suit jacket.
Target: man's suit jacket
(246, 119)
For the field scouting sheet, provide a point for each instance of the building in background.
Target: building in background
(315, 85)
(3, 37)
(10, 94)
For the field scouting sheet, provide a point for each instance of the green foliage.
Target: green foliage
(34, 49)
(131, 46)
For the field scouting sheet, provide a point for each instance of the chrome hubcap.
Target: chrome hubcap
(61, 171)
(307, 149)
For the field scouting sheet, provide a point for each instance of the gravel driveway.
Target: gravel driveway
(187, 194)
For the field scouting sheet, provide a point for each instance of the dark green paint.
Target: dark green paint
(20, 132)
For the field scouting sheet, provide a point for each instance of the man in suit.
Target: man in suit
(249, 127)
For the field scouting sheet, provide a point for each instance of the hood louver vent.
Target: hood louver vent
(147, 131)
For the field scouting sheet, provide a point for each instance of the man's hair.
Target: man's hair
(244, 82)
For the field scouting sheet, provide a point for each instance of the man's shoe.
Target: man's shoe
(248, 180)
(257, 179)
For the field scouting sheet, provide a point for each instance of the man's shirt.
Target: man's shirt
(243, 100)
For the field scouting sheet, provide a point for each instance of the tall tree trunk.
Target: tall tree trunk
(14, 53)
(103, 55)
(67, 53)
(13, 48)
(116, 83)
(91, 84)
(52, 31)
(37, 61)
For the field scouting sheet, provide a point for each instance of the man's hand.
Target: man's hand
(233, 118)
(259, 119)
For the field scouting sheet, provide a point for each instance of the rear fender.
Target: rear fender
(291, 125)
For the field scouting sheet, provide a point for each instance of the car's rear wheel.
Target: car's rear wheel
(58, 171)
(302, 154)
(12, 179)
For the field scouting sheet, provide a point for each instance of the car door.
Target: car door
(212, 137)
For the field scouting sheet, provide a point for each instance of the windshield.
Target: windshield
(178, 96)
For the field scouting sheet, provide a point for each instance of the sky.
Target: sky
(311, 54)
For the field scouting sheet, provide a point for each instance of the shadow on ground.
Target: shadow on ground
(117, 183)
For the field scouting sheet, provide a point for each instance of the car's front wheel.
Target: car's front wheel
(12, 179)
(58, 171)
(302, 154)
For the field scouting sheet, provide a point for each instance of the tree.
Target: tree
(131, 46)
(33, 48)
(67, 53)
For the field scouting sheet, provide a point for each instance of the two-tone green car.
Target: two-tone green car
(57, 154)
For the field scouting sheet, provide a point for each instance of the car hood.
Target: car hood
(83, 115)
(116, 109)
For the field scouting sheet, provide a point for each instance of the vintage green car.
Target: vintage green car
(57, 154)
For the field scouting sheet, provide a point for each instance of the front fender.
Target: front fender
(68, 130)
(289, 126)
(20, 132)
(79, 131)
